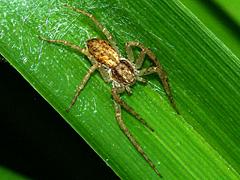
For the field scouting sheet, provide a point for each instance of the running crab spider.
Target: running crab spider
(122, 73)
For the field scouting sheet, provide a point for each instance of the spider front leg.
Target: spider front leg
(66, 43)
(157, 68)
(98, 24)
(130, 55)
(125, 130)
(164, 79)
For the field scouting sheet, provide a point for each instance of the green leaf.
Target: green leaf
(218, 21)
(200, 143)
(6, 174)
(231, 8)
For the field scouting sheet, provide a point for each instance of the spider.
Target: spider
(121, 72)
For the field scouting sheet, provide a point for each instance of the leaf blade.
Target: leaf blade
(58, 70)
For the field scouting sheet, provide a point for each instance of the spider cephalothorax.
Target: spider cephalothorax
(124, 73)
(121, 72)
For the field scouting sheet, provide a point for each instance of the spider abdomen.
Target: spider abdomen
(103, 52)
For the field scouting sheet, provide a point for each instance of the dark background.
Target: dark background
(35, 141)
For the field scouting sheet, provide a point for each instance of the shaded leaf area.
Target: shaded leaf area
(35, 139)
(9, 174)
(200, 143)
(218, 21)
(231, 8)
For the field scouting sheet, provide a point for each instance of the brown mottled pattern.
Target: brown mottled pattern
(103, 52)
(124, 73)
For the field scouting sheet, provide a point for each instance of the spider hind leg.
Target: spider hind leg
(116, 97)
(131, 138)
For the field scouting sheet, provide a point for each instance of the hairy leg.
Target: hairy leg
(84, 51)
(129, 109)
(66, 43)
(82, 84)
(157, 68)
(134, 142)
(104, 74)
(164, 79)
(98, 24)
(129, 50)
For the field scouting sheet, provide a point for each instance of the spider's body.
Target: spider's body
(121, 72)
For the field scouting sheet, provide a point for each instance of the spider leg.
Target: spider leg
(82, 84)
(130, 56)
(144, 51)
(134, 142)
(129, 51)
(84, 51)
(164, 79)
(140, 79)
(129, 109)
(104, 74)
(66, 43)
(157, 68)
(98, 24)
